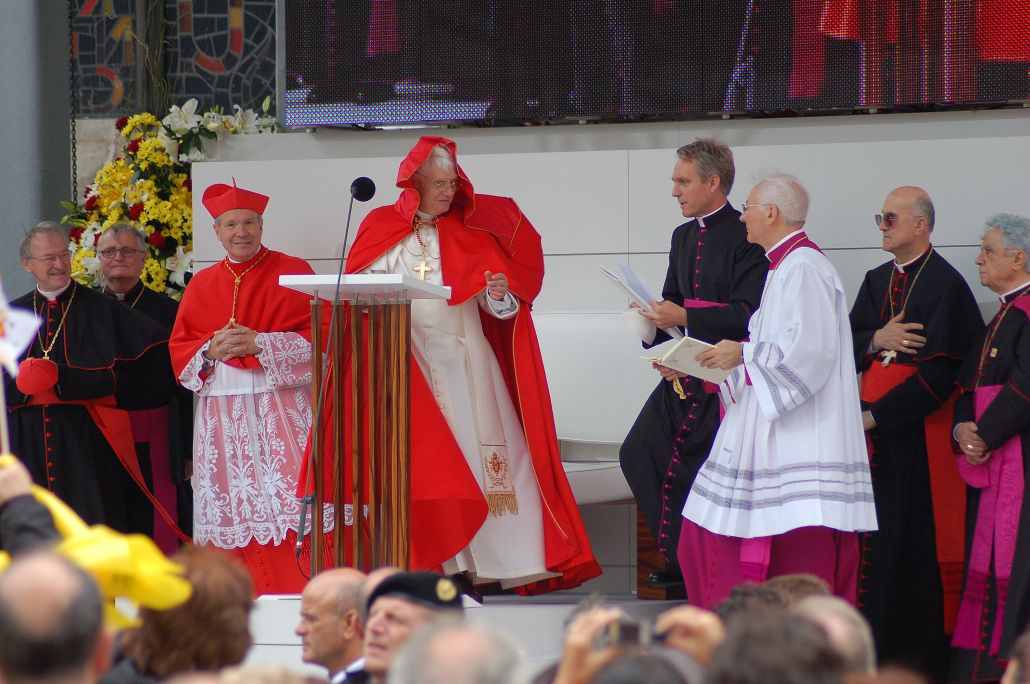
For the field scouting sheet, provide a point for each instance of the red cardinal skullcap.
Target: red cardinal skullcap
(220, 198)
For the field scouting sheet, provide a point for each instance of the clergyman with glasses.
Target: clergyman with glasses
(92, 361)
(163, 435)
(913, 322)
(494, 503)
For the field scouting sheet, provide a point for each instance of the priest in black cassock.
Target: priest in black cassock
(163, 435)
(712, 287)
(92, 359)
(913, 323)
(992, 440)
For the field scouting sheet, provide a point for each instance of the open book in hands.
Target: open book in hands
(681, 355)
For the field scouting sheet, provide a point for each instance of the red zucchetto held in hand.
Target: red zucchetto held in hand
(36, 375)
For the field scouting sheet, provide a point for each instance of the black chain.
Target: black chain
(73, 98)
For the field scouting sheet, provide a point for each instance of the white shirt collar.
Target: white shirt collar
(701, 219)
(1013, 291)
(901, 267)
(51, 296)
(784, 239)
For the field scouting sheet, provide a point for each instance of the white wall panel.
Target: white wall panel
(601, 195)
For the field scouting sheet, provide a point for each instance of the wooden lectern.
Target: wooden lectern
(372, 328)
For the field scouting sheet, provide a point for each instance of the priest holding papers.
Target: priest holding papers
(711, 289)
(786, 488)
(490, 499)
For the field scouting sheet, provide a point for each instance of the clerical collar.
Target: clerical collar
(122, 296)
(427, 218)
(771, 254)
(51, 296)
(1012, 294)
(246, 261)
(701, 219)
(901, 267)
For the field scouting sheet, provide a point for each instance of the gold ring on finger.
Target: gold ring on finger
(905, 342)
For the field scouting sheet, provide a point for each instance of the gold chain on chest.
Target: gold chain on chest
(238, 278)
(60, 326)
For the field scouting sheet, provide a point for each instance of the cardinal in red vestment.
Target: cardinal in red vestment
(242, 343)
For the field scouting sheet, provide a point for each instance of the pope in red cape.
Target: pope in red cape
(242, 343)
(489, 495)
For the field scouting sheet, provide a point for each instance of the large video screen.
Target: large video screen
(514, 61)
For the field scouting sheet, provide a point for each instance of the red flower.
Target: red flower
(75, 233)
(120, 123)
(188, 184)
(133, 146)
(135, 211)
(91, 203)
(157, 240)
(86, 191)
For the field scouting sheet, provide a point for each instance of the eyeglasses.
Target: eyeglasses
(124, 252)
(887, 219)
(745, 206)
(51, 259)
(453, 183)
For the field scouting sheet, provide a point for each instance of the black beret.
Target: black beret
(428, 589)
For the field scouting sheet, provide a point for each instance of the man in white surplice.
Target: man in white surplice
(786, 486)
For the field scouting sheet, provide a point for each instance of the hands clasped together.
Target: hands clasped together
(231, 342)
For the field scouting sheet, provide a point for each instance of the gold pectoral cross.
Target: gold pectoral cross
(887, 357)
(422, 269)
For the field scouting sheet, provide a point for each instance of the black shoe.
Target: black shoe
(466, 587)
(664, 578)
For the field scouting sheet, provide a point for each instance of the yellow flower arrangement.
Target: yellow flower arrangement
(148, 185)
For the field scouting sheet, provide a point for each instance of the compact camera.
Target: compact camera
(629, 632)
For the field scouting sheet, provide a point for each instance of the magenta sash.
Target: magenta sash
(1000, 481)
(709, 388)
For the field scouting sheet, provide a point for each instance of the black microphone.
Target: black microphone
(362, 189)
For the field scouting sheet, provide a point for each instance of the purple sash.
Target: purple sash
(709, 387)
(1000, 481)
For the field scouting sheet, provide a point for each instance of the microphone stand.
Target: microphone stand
(308, 502)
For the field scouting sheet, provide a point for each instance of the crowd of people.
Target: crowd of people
(871, 452)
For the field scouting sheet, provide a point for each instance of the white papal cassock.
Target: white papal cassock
(790, 452)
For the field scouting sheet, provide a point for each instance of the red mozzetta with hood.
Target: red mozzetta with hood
(480, 233)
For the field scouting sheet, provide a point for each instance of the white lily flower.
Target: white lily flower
(90, 236)
(193, 156)
(183, 119)
(177, 265)
(213, 122)
(246, 120)
(170, 144)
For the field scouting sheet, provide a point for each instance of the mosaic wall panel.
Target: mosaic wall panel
(221, 52)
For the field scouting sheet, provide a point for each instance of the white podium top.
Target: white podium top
(366, 285)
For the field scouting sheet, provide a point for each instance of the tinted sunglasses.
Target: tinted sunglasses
(888, 218)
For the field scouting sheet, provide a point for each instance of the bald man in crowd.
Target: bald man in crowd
(913, 323)
(51, 626)
(331, 632)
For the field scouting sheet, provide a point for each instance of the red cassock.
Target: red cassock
(480, 233)
(263, 306)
